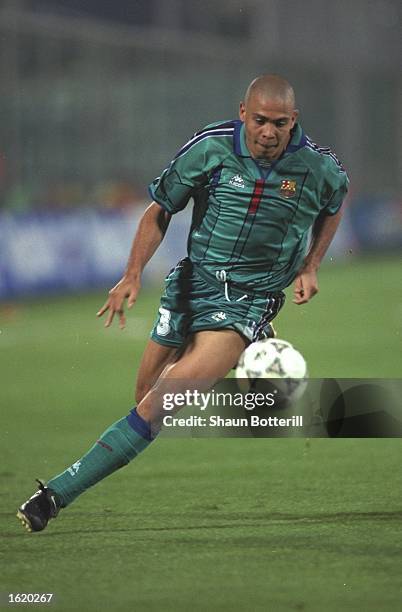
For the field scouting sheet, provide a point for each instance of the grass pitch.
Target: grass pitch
(218, 524)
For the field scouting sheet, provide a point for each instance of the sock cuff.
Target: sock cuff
(140, 426)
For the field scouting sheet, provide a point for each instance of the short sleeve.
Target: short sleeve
(336, 190)
(186, 173)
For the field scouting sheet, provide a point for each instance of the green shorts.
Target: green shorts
(194, 300)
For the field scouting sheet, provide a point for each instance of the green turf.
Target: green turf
(219, 524)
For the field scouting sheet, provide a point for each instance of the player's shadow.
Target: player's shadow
(260, 519)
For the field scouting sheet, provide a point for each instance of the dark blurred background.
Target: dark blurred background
(97, 96)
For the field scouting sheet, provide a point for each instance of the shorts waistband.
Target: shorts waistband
(236, 289)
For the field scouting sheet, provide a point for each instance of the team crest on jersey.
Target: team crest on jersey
(288, 189)
(237, 181)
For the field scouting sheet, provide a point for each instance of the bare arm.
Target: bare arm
(306, 283)
(149, 235)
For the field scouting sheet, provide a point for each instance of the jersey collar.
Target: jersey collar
(297, 141)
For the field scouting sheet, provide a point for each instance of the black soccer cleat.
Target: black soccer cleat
(39, 509)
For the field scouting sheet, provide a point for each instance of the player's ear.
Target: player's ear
(242, 111)
(295, 115)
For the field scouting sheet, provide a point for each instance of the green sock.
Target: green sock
(116, 447)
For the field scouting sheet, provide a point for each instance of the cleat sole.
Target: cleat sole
(25, 522)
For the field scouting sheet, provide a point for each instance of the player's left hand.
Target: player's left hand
(306, 286)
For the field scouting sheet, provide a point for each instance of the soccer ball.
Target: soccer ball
(275, 360)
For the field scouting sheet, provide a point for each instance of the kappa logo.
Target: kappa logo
(74, 468)
(219, 316)
(237, 181)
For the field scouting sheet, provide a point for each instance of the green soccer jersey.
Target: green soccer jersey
(251, 221)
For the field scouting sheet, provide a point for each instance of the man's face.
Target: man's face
(268, 122)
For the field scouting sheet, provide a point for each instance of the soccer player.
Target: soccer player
(259, 185)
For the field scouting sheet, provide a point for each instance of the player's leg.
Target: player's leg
(154, 360)
(208, 357)
(116, 447)
(124, 439)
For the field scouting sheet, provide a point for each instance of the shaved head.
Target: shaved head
(269, 116)
(271, 87)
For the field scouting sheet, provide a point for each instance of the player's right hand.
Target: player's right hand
(125, 288)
